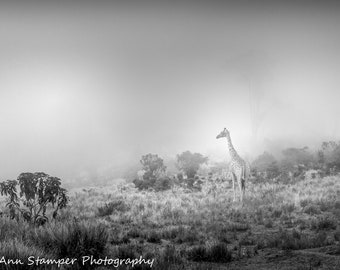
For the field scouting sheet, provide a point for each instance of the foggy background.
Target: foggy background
(87, 88)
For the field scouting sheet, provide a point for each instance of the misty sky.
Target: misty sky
(96, 85)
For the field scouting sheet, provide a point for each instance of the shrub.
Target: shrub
(172, 233)
(329, 156)
(277, 213)
(305, 202)
(105, 210)
(154, 176)
(216, 253)
(152, 165)
(301, 224)
(219, 253)
(325, 205)
(38, 191)
(337, 205)
(187, 236)
(126, 251)
(198, 254)
(337, 235)
(238, 226)
(153, 237)
(326, 222)
(118, 205)
(150, 182)
(163, 183)
(268, 223)
(288, 208)
(311, 209)
(295, 240)
(135, 232)
(170, 255)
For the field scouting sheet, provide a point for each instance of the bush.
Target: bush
(38, 191)
(152, 165)
(311, 209)
(337, 235)
(288, 208)
(126, 251)
(329, 157)
(170, 233)
(238, 226)
(187, 236)
(295, 240)
(326, 222)
(153, 237)
(145, 183)
(163, 183)
(118, 205)
(154, 176)
(305, 202)
(170, 255)
(159, 184)
(218, 253)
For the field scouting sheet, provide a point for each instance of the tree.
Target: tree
(38, 191)
(154, 176)
(189, 163)
(152, 165)
(329, 156)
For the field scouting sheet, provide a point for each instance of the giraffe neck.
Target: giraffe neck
(233, 154)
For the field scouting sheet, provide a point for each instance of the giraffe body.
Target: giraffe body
(238, 168)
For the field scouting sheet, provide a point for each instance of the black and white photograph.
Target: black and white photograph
(169, 135)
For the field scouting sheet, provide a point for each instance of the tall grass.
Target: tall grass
(73, 239)
(19, 252)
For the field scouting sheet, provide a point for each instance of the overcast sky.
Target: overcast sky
(97, 84)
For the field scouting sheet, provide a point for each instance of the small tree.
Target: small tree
(154, 176)
(189, 162)
(329, 156)
(152, 165)
(37, 192)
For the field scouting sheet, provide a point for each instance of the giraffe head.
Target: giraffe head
(223, 133)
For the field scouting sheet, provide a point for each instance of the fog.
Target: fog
(93, 86)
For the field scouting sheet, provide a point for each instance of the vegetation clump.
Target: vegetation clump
(217, 252)
(37, 192)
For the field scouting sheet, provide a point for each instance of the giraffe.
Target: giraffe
(239, 169)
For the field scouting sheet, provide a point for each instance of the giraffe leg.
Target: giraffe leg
(240, 187)
(233, 177)
(243, 182)
(239, 182)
